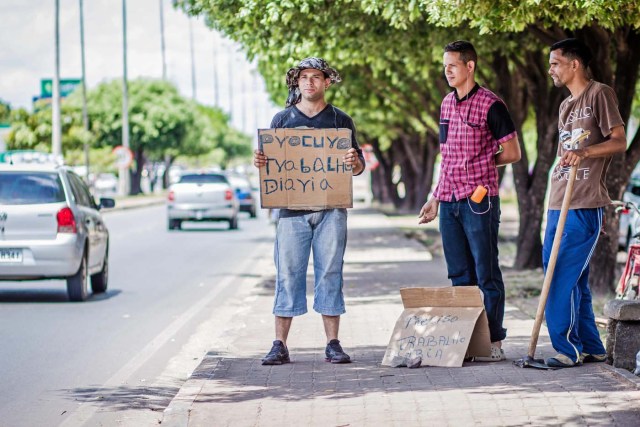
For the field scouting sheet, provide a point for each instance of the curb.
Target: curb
(624, 375)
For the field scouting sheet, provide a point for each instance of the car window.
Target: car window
(80, 191)
(30, 188)
(204, 178)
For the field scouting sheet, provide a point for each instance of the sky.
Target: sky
(27, 54)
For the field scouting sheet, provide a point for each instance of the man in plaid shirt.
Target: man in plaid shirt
(476, 136)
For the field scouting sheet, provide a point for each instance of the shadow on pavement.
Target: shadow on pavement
(124, 397)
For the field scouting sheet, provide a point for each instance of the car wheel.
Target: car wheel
(233, 223)
(99, 281)
(78, 284)
(253, 212)
(175, 224)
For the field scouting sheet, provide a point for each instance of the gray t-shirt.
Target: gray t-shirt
(583, 121)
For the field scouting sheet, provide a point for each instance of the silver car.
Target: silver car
(51, 228)
(202, 197)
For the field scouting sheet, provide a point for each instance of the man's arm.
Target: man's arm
(617, 143)
(510, 152)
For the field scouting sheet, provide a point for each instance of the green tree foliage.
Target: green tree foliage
(163, 125)
(389, 52)
(5, 111)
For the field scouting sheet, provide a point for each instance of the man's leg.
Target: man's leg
(331, 327)
(460, 266)
(291, 257)
(283, 324)
(562, 311)
(329, 244)
(481, 228)
(587, 329)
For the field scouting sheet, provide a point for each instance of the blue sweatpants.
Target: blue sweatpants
(569, 312)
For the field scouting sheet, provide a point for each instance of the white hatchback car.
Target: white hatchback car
(202, 197)
(51, 228)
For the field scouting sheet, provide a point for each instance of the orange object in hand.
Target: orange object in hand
(479, 194)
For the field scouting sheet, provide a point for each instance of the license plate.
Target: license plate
(10, 256)
(198, 214)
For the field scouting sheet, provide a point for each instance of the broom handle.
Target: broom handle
(546, 285)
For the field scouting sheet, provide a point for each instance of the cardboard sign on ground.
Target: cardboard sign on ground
(440, 325)
(305, 169)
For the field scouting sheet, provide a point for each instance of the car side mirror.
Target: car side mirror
(106, 202)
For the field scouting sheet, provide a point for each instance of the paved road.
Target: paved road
(121, 357)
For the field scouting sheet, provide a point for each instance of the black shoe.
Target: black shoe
(335, 354)
(278, 354)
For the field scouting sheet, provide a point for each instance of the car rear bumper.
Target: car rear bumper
(43, 259)
(202, 213)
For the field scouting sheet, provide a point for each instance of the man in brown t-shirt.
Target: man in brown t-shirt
(590, 132)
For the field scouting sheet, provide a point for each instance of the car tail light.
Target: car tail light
(171, 196)
(228, 195)
(66, 221)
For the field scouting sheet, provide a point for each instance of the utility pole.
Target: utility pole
(162, 45)
(230, 80)
(56, 127)
(193, 61)
(216, 89)
(85, 113)
(243, 90)
(124, 176)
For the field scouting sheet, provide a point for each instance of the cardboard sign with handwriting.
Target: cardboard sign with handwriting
(440, 325)
(305, 169)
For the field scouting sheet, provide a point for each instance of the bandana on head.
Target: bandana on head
(307, 63)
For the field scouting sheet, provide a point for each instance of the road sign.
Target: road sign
(124, 156)
(66, 87)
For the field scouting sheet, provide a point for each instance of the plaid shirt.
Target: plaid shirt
(468, 145)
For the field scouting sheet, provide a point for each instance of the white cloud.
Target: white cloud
(27, 53)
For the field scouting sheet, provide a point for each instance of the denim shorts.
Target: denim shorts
(325, 234)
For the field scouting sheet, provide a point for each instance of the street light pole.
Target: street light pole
(193, 61)
(216, 90)
(162, 45)
(56, 127)
(230, 80)
(124, 178)
(85, 113)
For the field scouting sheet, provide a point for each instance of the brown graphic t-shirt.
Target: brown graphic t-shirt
(583, 121)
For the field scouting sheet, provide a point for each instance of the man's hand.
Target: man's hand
(573, 157)
(351, 158)
(429, 211)
(259, 159)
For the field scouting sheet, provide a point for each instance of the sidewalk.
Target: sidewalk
(232, 388)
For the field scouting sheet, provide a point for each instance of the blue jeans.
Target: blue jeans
(569, 311)
(325, 233)
(470, 241)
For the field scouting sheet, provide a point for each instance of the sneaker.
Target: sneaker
(335, 354)
(278, 354)
(593, 358)
(497, 355)
(562, 361)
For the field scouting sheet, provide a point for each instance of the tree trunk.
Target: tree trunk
(168, 162)
(384, 190)
(623, 44)
(417, 166)
(136, 175)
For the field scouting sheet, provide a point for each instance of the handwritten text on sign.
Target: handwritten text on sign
(305, 169)
(439, 335)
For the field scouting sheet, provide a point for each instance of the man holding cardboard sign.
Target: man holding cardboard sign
(302, 229)
(476, 135)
